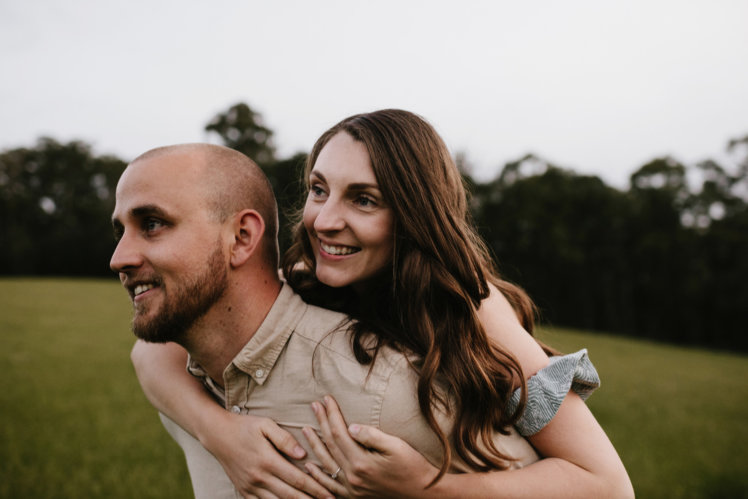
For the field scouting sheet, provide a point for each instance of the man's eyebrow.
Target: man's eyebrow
(148, 210)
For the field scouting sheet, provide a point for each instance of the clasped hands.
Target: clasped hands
(356, 460)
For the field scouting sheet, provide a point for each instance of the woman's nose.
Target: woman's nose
(329, 217)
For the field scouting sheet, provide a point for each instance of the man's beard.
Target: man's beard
(185, 304)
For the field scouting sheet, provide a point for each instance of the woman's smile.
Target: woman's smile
(338, 250)
(350, 227)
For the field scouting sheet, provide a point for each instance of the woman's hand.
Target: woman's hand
(246, 446)
(372, 463)
(249, 449)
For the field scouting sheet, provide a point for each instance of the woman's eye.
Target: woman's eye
(317, 191)
(365, 201)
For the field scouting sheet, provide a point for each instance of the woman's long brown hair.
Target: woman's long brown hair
(426, 303)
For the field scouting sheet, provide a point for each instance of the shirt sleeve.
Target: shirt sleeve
(548, 388)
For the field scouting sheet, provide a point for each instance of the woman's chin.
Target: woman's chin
(334, 280)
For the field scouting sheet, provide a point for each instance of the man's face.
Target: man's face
(170, 252)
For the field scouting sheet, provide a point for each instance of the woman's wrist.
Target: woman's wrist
(208, 423)
(445, 487)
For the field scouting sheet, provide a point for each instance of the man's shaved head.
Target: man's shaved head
(232, 182)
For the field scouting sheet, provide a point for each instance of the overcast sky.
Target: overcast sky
(597, 86)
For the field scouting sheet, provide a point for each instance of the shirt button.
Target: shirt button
(259, 373)
(236, 409)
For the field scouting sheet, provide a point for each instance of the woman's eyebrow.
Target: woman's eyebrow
(357, 186)
(362, 186)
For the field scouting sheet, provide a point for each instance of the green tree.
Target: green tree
(664, 264)
(723, 247)
(663, 260)
(242, 129)
(285, 177)
(55, 204)
(558, 234)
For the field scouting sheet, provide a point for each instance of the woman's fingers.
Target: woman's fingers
(331, 475)
(282, 479)
(255, 466)
(320, 450)
(326, 480)
(284, 441)
(301, 486)
(339, 429)
(374, 463)
(373, 438)
(327, 435)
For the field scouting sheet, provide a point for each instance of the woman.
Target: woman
(386, 238)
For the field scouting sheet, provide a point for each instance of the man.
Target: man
(197, 251)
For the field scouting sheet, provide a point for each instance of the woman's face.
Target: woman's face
(349, 225)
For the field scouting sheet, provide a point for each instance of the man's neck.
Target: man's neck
(222, 333)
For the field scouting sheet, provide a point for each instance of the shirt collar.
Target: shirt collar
(260, 354)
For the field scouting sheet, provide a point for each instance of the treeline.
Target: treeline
(665, 259)
(661, 260)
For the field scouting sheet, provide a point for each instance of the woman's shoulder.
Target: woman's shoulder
(547, 389)
(503, 327)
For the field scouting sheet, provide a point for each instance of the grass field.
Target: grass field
(73, 422)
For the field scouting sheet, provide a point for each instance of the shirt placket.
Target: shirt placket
(237, 388)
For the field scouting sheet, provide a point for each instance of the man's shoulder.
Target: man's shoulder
(317, 323)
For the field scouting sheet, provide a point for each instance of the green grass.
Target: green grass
(74, 423)
(677, 416)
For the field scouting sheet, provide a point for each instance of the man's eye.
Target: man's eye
(152, 224)
(118, 230)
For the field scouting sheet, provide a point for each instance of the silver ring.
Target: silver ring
(334, 476)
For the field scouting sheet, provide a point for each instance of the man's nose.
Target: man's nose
(126, 255)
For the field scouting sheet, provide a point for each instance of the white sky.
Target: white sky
(597, 86)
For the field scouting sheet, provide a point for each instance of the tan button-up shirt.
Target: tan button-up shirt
(301, 353)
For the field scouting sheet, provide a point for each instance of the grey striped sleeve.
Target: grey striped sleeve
(548, 388)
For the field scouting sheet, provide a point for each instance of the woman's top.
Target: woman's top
(548, 388)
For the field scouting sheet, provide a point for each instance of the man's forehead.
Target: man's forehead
(166, 183)
(181, 162)
(179, 170)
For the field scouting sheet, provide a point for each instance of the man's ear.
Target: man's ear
(249, 228)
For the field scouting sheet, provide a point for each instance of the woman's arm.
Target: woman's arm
(374, 464)
(579, 459)
(585, 459)
(244, 445)
(160, 368)
(503, 327)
